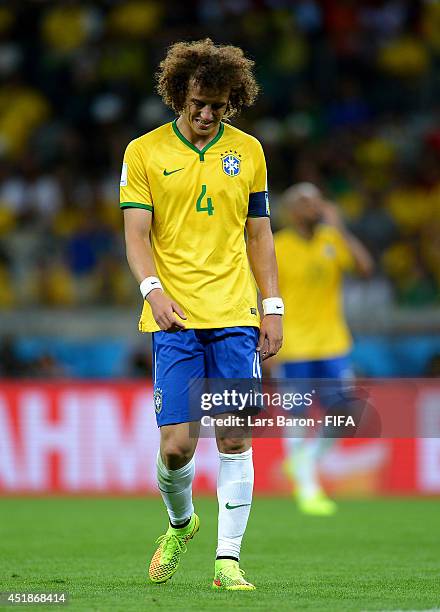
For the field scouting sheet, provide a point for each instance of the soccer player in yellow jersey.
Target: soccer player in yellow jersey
(313, 253)
(190, 191)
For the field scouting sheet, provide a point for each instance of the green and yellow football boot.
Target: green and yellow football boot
(229, 577)
(172, 544)
(317, 505)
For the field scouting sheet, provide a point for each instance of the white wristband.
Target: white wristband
(273, 305)
(148, 284)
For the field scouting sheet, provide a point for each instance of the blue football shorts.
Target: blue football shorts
(331, 378)
(181, 357)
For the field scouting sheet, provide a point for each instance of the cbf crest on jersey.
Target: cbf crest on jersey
(157, 399)
(329, 251)
(231, 162)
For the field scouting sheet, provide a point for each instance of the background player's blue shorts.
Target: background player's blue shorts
(336, 375)
(228, 352)
(338, 368)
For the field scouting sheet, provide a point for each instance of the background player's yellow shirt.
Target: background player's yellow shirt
(310, 277)
(200, 203)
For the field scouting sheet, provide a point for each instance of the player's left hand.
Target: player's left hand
(331, 214)
(271, 336)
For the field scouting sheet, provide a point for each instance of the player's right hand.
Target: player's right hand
(163, 308)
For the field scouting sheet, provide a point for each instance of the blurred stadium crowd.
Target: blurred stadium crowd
(349, 101)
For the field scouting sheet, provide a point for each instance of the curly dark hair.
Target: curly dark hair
(212, 67)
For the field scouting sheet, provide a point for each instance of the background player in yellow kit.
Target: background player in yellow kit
(189, 190)
(313, 253)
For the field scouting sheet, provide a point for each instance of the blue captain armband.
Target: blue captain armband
(259, 204)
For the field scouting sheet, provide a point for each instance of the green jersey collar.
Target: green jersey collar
(200, 152)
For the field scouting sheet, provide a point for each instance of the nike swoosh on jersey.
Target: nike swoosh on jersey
(229, 507)
(165, 173)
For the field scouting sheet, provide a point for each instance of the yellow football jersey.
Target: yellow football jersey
(310, 277)
(200, 200)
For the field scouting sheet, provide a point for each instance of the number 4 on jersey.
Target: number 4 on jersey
(209, 208)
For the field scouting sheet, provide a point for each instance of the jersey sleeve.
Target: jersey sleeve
(259, 197)
(134, 186)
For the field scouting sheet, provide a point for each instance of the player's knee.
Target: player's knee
(232, 446)
(175, 455)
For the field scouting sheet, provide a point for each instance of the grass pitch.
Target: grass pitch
(373, 555)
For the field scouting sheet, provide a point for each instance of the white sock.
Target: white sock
(304, 458)
(176, 490)
(234, 493)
